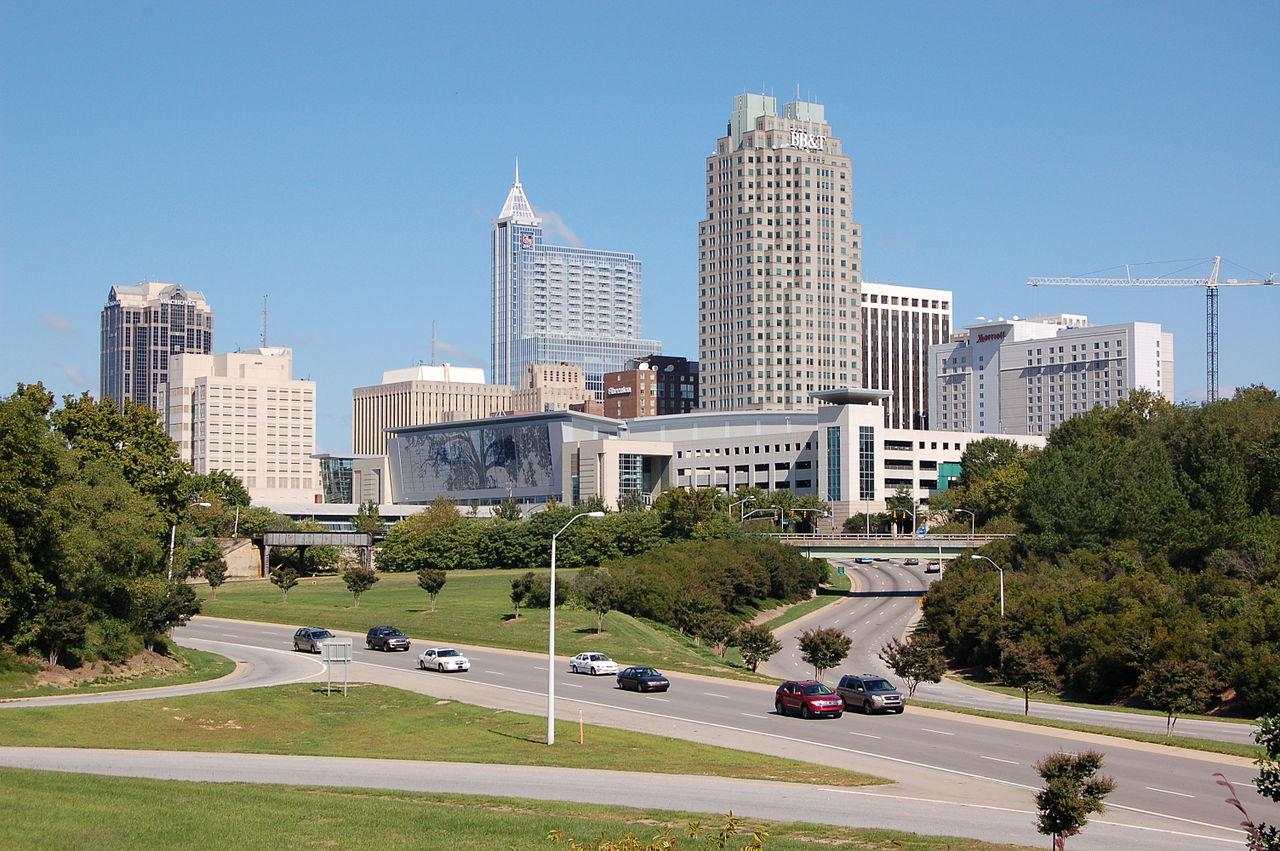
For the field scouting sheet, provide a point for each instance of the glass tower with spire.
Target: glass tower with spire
(560, 304)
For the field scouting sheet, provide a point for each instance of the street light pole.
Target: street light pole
(173, 533)
(551, 635)
(999, 568)
(743, 502)
(973, 520)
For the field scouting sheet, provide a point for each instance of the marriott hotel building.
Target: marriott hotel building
(778, 259)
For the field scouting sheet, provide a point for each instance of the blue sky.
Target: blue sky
(347, 159)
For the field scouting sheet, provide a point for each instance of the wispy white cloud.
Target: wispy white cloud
(58, 323)
(555, 228)
(457, 351)
(75, 376)
(1199, 394)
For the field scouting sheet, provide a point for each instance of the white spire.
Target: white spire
(517, 208)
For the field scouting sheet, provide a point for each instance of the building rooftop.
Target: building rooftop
(851, 396)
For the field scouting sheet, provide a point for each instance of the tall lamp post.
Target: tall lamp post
(173, 533)
(551, 635)
(743, 502)
(776, 512)
(999, 568)
(973, 520)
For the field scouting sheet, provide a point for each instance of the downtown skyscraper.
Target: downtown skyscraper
(779, 260)
(557, 304)
(142, 326)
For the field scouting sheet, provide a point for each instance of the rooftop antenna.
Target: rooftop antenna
(433, 322)
(263, 339)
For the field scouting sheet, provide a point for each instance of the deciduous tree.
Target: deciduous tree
(431, 580)
(1026, 665)
(1176, 687)
(215, 573)
(1073, 791)
(917, 660)
(597, 592)
(284, 578)
(358, 580)
(520, 587)
(824, 648)
(756, 644)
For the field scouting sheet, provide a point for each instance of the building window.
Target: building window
(835, 464)
(866, 462)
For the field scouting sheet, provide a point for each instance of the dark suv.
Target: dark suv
(309, 638)
(386, 638)
(870, 693)
(808, 699)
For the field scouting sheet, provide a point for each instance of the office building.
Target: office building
(426, 393)
(779, 260)
(560, 304)
(354, 479)
(244, 413)
(899, 324)
(1026, 376)
(653, 386)
(551, 387)
(839, 450)
(142, 327)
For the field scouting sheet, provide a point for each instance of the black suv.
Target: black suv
(386, 638)
(309, 638)
(870, 693)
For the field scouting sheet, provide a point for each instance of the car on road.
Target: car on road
(443, 659)
(882, 558)
(863, 560)
(870, 693)
(642, 678)
(386, 638)
(309, 638)
(933, 567)
(911, 561)
(592, 663)
(808, 699)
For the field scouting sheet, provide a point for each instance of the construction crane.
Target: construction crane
(1210, 284)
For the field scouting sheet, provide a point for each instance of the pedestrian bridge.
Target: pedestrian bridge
(885, 546)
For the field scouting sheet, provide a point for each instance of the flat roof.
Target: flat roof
(851, 395)
(512, 418)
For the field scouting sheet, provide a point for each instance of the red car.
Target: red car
(807, 698)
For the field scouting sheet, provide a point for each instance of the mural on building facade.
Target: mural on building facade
(478, 458)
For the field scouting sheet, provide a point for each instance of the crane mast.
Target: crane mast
(1210, 284)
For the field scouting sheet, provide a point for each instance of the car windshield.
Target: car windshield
(322, 633)
(816, 688)
(599, 657)
(447, 653)
(644, 672)
(393, 633)
(879, 685)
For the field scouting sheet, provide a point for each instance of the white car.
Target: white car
(592, 663)
(443, 659)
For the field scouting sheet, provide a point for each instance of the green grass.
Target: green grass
(198, 666)
(384, 723)
(1190, 742)
(77, 811)
(474, 608)
(827, 594)
(1053, 698)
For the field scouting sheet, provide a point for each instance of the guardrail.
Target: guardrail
(887, 540)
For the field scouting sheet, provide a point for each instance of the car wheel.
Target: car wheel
(900, 709)
(866, 707)
(804, 711)
(422, 666)
(839, 714)
(779, 708)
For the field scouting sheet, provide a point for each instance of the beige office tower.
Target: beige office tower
(243, 413)
(420, 395)
(779, 259)
(899, 324)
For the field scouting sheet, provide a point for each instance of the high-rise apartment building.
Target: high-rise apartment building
(899, 324)
(143, 326)
(779, 260)
(1026, 376)
(560, 304)
(243, 413)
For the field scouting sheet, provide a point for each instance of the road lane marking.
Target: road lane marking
(540, 667)
(228, 635)
(863, 735)
(713, 694)
(572, 685)
(998, 759)
(1168, 792)
(651, 697)
(939, 732)
(495, 673)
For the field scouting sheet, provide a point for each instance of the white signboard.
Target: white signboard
(336, 650)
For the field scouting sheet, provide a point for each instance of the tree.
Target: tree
(222, 485)
(901, 505)
(368, 520)
(1027, 666)
(718, 628)
(1073, 791)
(358, 579)
(520, 587)
(431, 580)
(1176, 687)
(756, 644)
(917, 660)
(509, 509)
(284, 578)
(539, 593)
(215, 573)
(824, 648)
(60, 627)
(1267, 837)
(597, 592)
(680, 510)
(633, 501)
(159, 605)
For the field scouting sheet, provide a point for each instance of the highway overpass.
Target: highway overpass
(885, 546)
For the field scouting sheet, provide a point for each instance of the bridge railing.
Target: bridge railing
(888, 540)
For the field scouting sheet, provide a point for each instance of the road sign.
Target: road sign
(921, 531)
(335, 651)
(840, 570)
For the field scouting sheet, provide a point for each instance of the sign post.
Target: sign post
(335, 651)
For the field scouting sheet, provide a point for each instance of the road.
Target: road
(941, 761)
(887, 598)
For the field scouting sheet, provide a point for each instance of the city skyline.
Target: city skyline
(322, 188)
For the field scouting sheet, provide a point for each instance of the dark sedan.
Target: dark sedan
(386, 638)
(642, 678)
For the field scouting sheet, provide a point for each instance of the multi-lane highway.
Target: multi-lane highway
(885, 600)
(942, 762)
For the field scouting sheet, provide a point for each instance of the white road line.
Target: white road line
(863, 735)
(651, 697)
(1167, 792)
(751, 715)
(572, 685)
(837, 620)
(998, 759)
(713, 694)
(939, 732)
(1242, 783)
(228, 635)
(540, 667)
(495, 673)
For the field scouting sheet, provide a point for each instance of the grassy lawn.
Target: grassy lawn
(77, 811)
(1053, 698)
(474, 608)
(198, 666)
(384, 723)
(1191, 742)
(827, 594)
